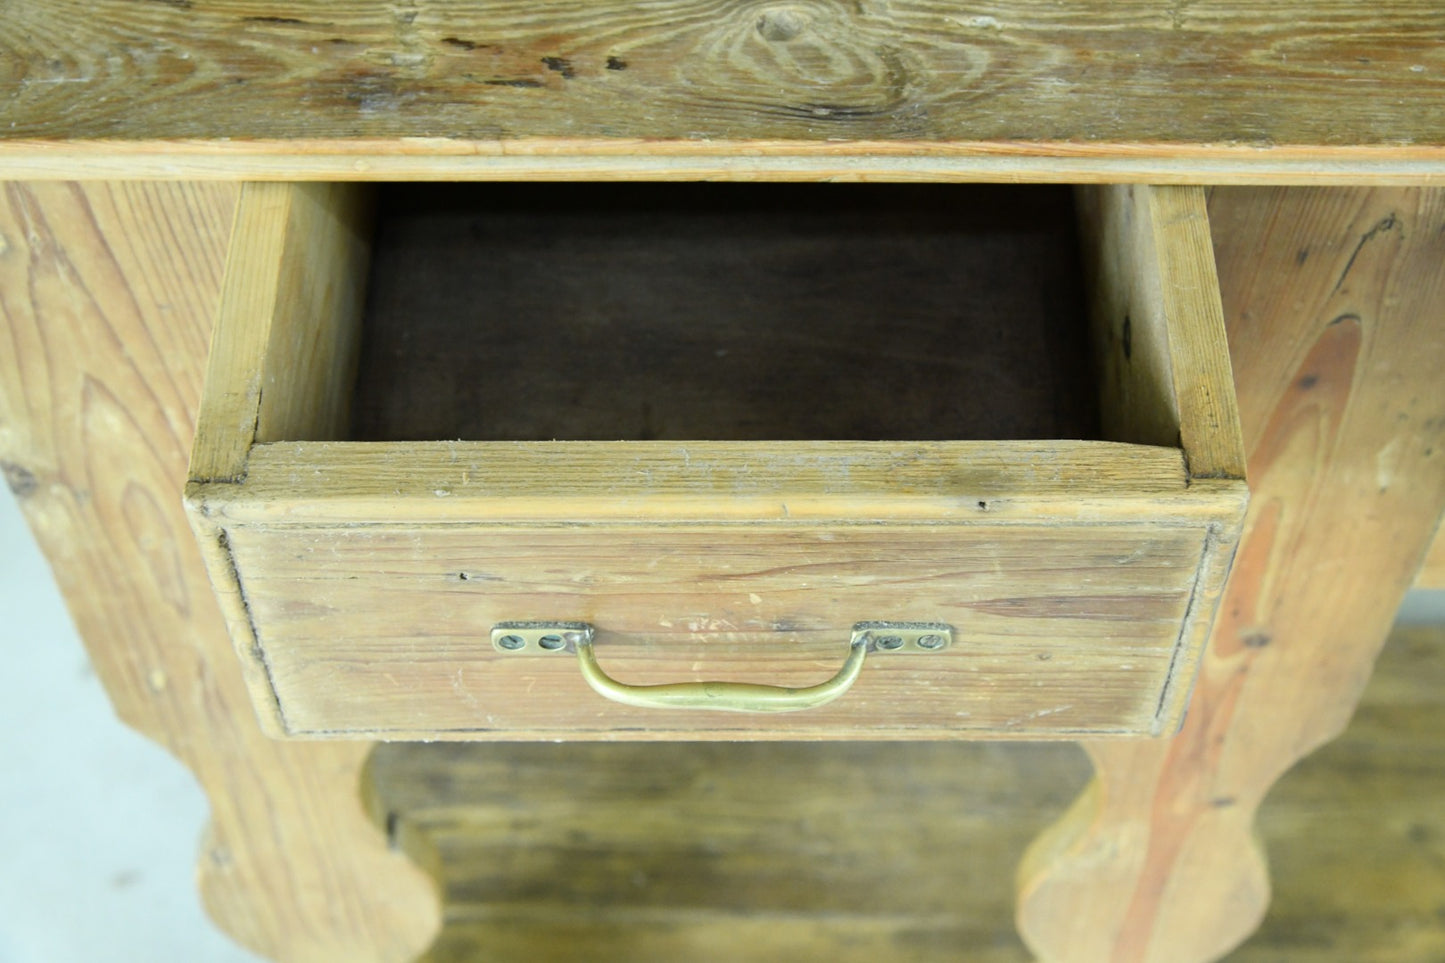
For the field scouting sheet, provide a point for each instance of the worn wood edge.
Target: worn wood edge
(231, 599)
(584, 482)
(284, 346)
(694, 733)
(231, 396)
(266, 243)
(1216, 562)
(1188, 285)
(439, 158)
(255, 279)
(232, 507)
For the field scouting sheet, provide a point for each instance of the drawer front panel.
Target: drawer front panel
(385, 629)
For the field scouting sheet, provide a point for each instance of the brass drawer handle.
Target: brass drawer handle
(547, 638)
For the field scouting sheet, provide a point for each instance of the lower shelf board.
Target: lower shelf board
(763, 852)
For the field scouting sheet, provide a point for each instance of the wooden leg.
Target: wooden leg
(1335, 300)
(106, 296)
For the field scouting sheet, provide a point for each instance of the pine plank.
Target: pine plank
(1154, 90)
(383, 629)
(1158, 320)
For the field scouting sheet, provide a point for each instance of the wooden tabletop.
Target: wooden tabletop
(1210, 91)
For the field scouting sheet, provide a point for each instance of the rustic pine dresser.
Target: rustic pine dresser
(665, 378)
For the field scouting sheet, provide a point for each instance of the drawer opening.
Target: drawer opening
(721, 426)
(730, 312)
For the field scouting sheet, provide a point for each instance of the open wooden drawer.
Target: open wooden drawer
(971, 574)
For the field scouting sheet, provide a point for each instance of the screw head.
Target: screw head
(511, 642)
(551, 642)
(890, 642)
(930, 642)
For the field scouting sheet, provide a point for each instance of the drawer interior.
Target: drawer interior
(746, 312)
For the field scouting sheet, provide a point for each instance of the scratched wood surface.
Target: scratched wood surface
(1208, 91)
(1060, 629)
(887, 852)
(107, 293)
(1333, 303)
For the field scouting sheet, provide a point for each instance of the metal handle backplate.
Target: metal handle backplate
(552, 638)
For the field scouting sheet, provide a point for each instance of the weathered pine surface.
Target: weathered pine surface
(106, 298)
(1062, 629)
(99, 401)
(887, 852)
(1333, 304)
(1201, 90)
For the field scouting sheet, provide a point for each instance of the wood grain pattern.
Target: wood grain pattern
(576, 482)
(883, 853)
(106, 296)
(1332, 298)
(1158, 321)
(383, 629)
(1212, 90)
(292, 377)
